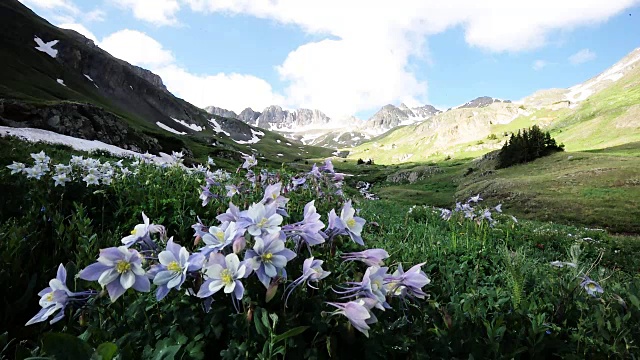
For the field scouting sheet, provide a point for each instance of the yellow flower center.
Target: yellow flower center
(591, 286)
(267, 257)
(49, 296)
(122, 266)
(174, 266)
(351, 222)
(220, 235)
(262, 222)
(133, 232)
(226, 277)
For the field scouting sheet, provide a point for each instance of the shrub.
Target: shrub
(525, 146)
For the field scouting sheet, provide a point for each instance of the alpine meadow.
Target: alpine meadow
(149, 212)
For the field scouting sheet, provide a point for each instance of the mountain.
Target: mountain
(391, 116)
(221, 112)
(58, 80)
(481, 101)
(603, 111)
(249, 116)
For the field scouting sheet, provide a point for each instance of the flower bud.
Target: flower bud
(239, 244)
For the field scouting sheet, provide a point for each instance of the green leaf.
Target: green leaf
(64, 346)
(106, 351)
(260, 328)
(291, 333)
(167, 353)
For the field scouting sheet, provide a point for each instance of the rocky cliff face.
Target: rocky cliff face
(481, 102)
(78, 120)
(391, 116)
(214, 110)
(249, 116)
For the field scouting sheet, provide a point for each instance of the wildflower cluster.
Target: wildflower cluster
(470, 210)
(251, 246)
(590, 286)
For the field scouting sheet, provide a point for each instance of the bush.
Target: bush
(525, 146)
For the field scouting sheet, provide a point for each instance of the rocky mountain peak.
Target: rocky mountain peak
(214, 110)
(249, 116)
(481, 101)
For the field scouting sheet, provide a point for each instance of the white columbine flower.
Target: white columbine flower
(90, 179)
(60, 179)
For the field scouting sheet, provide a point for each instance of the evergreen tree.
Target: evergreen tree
(527, 145)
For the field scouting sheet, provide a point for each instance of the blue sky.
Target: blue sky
(354, 57)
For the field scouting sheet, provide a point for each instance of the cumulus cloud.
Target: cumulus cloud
(539, 65)
(81, 29)
(364, 61)
(158, 12)
(52, 4)
(137, 48)
(582, 56)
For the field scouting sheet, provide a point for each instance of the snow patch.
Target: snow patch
(35, 135)
(280, 154)
(278, 141)
(253, 140)
(193, 127)
(217, 128)
(46, 47)
(61, 82)
(165, 127)
(88, 77)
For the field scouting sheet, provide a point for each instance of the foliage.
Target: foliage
(525, 146)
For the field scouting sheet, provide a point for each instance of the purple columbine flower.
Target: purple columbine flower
(261, 219)
(408, 283)
(371, 257)
(224, 272)
(591, 286)
(141, 233)
(498, 208)
(53, 298)
(219, 237)
(475, 199)
(310, 228)
(328, 166)
(272, 195)
(269, 257)
(249, 162)
(315, 172)
(445, 214)
(353, 224)
(358, 312)
(311, 272)
(371, 286)
(231, 190)
(171, 273)
(297, 182)
(231, 215)
(118, 268)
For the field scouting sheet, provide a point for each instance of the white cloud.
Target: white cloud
(582, 56)
(539, 64)
(52, 4)
(136, 48)
(366, 62)
(96, 15)
(158, 12)
(230, 91)
(80, 29)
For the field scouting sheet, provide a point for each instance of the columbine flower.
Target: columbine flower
(16, 167)
(91, 179)
(53, 298)
(498, 208)
(475, 199)
(371, 286)
(118, 269)
(142, 232)
(328, 166)
(171, 273)
(34, 172)
(40, 157)
(231, 190)
(408, 283)
(353, 224)
(231, 215)
(315, 172)
(311, 272)
(261, 219)
(60, 179)
(591, 286)
(219, 237)
(309, 229)
(445, 214)
(210, 161)
(224, 274)
(125, 171)
(249, 162)
(371, 257)
(269, 257)
(358, 312)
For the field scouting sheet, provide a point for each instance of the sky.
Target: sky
(351, 57)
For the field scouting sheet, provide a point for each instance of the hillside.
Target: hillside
(58, 80)
(601, 112)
